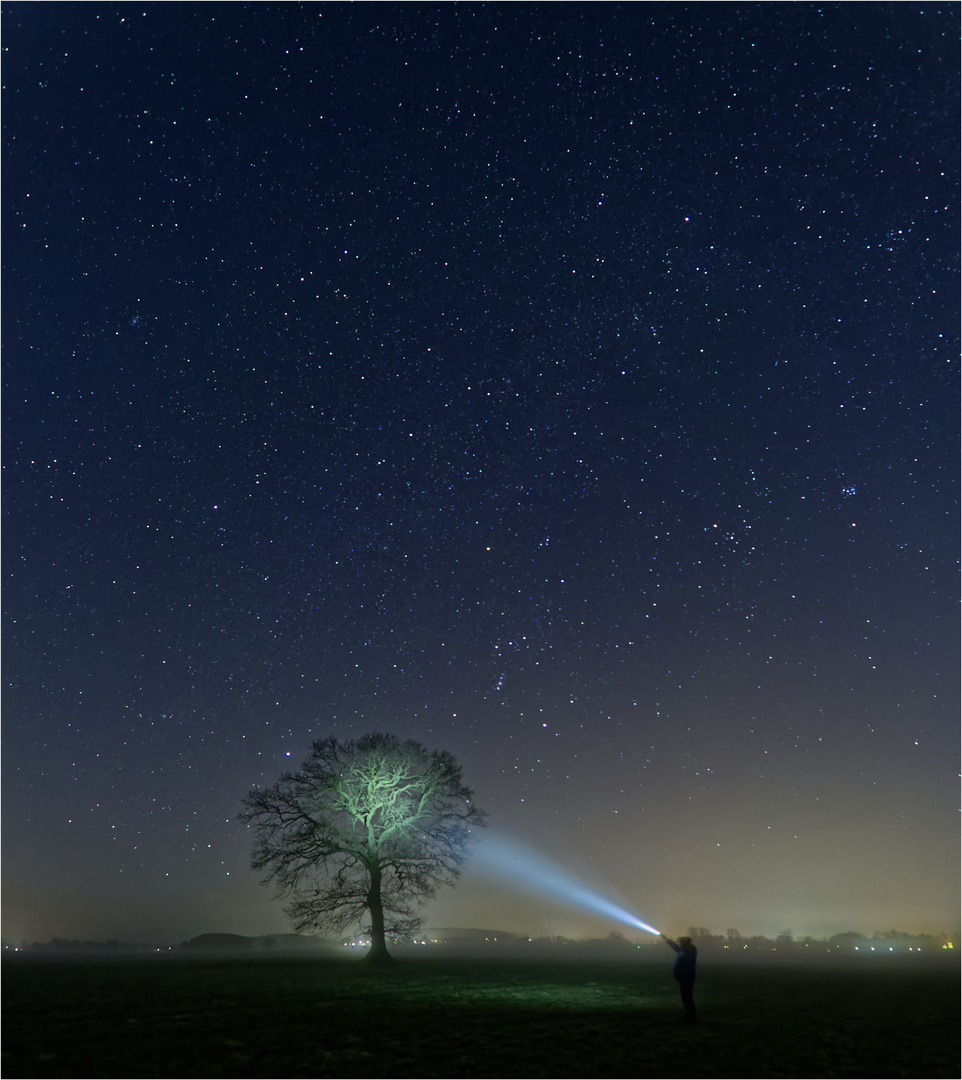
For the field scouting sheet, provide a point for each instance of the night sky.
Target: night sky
(572, 387)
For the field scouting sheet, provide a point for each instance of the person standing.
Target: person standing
(685, 973)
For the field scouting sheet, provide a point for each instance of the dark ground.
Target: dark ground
(438, 1017)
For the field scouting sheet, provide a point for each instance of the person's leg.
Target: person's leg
(688, 998)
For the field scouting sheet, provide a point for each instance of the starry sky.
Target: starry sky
(572, 387)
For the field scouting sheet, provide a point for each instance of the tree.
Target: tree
(365, 830)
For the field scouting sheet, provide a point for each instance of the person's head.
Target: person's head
(685, 942)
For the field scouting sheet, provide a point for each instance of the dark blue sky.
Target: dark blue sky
(573, 387)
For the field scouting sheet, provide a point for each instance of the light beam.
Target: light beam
(525, 869)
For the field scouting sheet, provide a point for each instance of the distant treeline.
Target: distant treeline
(849, 940)
(732, 941)
(202, 943)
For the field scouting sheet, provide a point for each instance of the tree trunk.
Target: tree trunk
(378, 953)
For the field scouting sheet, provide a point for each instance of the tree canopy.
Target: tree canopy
(362, 834)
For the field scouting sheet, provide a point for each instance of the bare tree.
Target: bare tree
(363, 834)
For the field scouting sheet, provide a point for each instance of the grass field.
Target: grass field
(434, 1017)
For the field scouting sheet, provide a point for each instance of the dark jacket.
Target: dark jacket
(684, 962)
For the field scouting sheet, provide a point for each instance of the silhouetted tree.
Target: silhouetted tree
(365, 830)
(757, 943)
(846, 940)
